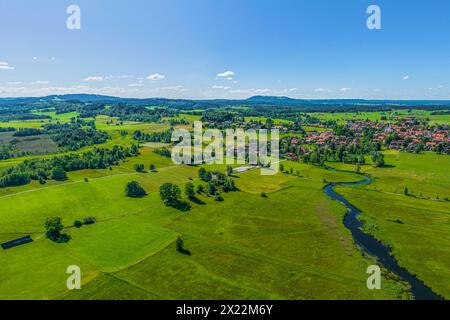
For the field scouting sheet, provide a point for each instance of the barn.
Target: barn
(16, 242)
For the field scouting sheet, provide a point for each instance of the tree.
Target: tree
(139, 167)
(59, 174)
(406, 191)
(378, 159)
(204, 175)
(152, 168)
(229, 170)
(189, 190)
(419, 148)
(281, 168)
(170, 194)
(211, 188)
(229, 185)
(134, 150)
(77, 224)
(361, 160)
(269, 123)
(263, 195)
(200, 189)
(134, 190)
(53, 228)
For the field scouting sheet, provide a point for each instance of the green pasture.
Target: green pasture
(293, 246)
(417, 224)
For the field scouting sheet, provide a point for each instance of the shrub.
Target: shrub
(59, 174)
(134, 190)
(200, 189)
(211, 188)
(89, 220)
(77, 224)
(170, 194)
(180, 246)
(189, 190)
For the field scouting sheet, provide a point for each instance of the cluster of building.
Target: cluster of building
(409, 134)
(406, 134)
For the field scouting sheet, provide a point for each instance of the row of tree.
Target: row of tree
(55, 168)
(162, 137)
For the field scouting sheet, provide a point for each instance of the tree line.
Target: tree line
(56, 168)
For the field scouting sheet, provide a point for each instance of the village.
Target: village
(406, 134)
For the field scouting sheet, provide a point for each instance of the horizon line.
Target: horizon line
(222, 99)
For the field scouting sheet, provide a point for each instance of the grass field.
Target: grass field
(300, 252)
(342, 117)
(417, 225)
(290, 245)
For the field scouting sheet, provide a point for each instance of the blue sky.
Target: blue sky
(226, 49)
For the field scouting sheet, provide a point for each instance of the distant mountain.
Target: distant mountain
(80, 97)
(281, 100)
(273, 99)
(256, 101)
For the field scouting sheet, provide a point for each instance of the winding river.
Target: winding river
(375, 248)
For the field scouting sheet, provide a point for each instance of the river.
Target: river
(375, 248)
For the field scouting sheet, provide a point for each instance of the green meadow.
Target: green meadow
(416, 225)
(343, 117)
(290, 245)
(293, 246)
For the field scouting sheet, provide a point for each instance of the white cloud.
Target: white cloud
(94, 78)
(345, 89)
(406, 77)
(319, 90)
(156, 77)
(176, 88)
(251, 91)
(40, 82)
(226, 74)
(136, 85)
(45, 59)
(5, 66)
(125, 76)
(377, 90)
(436, 88)
(221, 87)
(293, 89)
